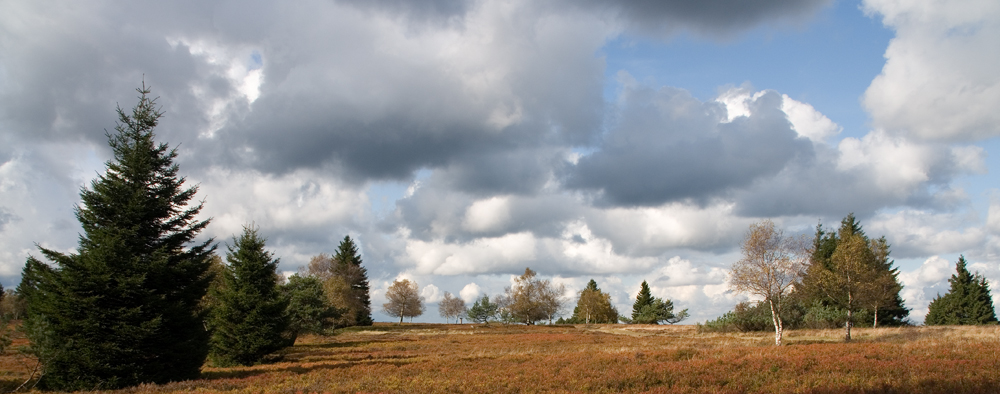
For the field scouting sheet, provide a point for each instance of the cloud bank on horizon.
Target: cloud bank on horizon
(461, 141)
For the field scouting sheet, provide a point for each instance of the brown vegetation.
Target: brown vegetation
(607, 358)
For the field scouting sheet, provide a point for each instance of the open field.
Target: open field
(607, 358)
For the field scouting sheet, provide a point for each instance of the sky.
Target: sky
(459, 142)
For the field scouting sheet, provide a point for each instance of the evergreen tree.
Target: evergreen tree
(352, 279)
(307, 305)
(124, 309)
(650, 310)
(251, 318)
(642, 300)
(659, 311)
(482, 310)
(891, 312)
(968, 301)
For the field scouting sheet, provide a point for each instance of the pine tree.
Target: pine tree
(482, 310)
(250, 320)
(124, 309)
(642, 300)
(968, 301)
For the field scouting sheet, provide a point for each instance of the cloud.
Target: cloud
(668, 146)
(431, 294)
(917, 233)
(863, 175)
(373, 100)
(712, 17)
(39, 185)
(923, 284)
(7, 217)
(807, 121)
(938, 82)
(439, 11)
(470, 293)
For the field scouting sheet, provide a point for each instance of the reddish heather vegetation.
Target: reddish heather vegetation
(605, 358)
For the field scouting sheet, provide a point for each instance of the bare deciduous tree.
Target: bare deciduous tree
(404, 300)
(452, 307)
(771, 265)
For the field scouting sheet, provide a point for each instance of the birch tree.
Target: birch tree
(452, 307)
(851, 282)
(770, 267)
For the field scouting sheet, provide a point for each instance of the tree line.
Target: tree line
(530, 300)
(840, 278)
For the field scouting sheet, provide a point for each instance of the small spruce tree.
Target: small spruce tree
(653, 310)
(968, 301)
(250, 319)
(642, 300)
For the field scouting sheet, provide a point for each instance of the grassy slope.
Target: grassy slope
(612, 358)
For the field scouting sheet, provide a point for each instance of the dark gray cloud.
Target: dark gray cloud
(64, 70)
(510, 171)
(428, 10)
(713, 17)
(337, 99)
(668, 146)
(821, 186)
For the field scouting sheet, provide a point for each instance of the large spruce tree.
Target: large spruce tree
(250, 319)
(124, 309)
(347, 267)
(968, 301)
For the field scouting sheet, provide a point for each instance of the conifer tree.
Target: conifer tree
(889, 309)
(308, 309)
(250, 319)
(653, 310)
(124, 309)
(348, 285)
(482, 310)
(642, 300)
(968, 301)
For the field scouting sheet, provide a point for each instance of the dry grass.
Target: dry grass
(609, 358)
